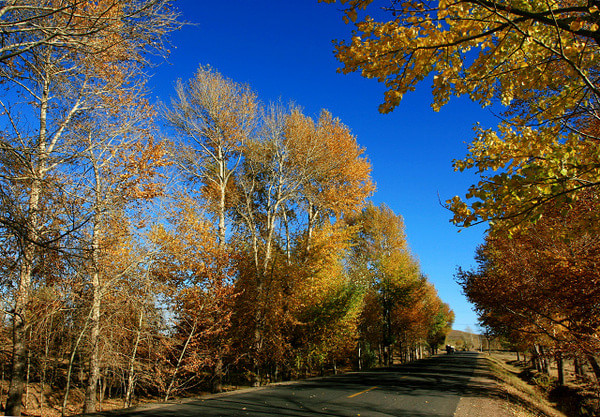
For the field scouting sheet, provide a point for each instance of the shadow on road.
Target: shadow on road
(427, 388)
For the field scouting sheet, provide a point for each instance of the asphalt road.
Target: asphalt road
(427, 388)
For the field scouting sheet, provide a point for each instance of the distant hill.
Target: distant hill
(458, 333)
(471, 341)
(464, 340)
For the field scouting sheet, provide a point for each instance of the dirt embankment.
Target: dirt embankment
(531, 393)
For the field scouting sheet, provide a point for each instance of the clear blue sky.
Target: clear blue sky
(283, 50)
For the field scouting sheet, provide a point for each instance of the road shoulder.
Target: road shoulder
(494, 403)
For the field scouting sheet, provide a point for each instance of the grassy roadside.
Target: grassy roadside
(527, 400)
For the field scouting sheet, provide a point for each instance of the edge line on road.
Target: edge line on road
(362, 392)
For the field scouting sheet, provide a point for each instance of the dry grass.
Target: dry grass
(527, 400)
(53, 399)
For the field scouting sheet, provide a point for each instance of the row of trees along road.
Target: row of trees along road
(537, 62)
(240, 248)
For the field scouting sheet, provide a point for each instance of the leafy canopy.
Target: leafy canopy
(538, 59)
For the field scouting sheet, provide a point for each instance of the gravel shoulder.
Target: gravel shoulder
(493, 405)
(509, 396)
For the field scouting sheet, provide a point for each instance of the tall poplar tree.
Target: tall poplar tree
(56, 81)
(214, 117)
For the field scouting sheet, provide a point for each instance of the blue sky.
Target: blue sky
(284, 50)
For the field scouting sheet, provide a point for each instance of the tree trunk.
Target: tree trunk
(70, 368)
(387, 330)
(544, 361)
(288, 245)
(28, 374)
(131, 374)
(217, 385)
(91, 392)
(15, 390)
(222, 230)
(179, 360)
(312, 217)
(94, 364)
(536, 358)
(258, 337)
(19, 351)
(577, 367)
(595, 367)
(45, 367)
(359, 358)
(560, 369)
(101, 391)
(2, 383)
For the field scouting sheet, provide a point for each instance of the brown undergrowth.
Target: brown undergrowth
(50, 404)
(540, 394)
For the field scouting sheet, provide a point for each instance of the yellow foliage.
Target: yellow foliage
(542, 70)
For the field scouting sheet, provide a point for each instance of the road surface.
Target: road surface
(429, 388)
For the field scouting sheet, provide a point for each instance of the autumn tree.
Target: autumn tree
(29, 180)
(62, 85)
(45, 311)
(28, 25)
(441, 320)
(401, 309)
(120, 165)
(383, 262)
(195, 277)
(540, 282)
(123, 173)
(319, 303)
(537, 59)
(214, 117)
(270, 179)
(421, 320)
(297, 177)
(339, 182)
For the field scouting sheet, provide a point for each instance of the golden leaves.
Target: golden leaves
(515, 52)
(511, 54)
(576, 25)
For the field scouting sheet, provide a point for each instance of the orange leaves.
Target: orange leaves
(542, 280)
(142, 163)
(194, 275)
(346, 182)
(329, 245)
(189, 254)
(337, 173)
